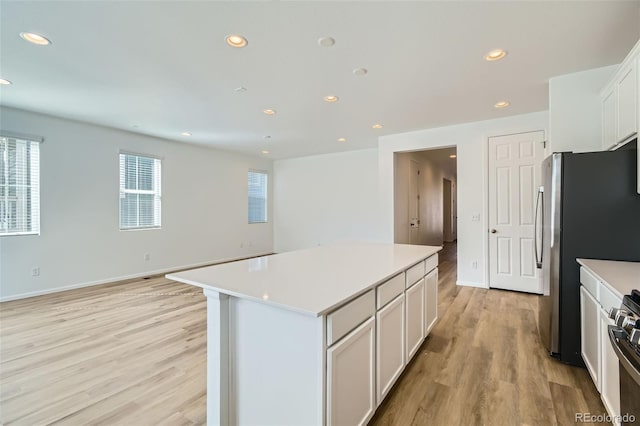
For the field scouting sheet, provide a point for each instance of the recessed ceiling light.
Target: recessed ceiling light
(495, 55)
(265, 152)
(186, 133)
(331, 98)
(35, 39)
(235, 40)
(360, 71)
(326, 41)
(4, 82)
(269, 111)
(342, 139)
(377, 126)
(501, 104)
(452, 156)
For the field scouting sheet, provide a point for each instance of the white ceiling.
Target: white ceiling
(163, 66)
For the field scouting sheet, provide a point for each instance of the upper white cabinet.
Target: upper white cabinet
(609, 119)
(626, 87)
(620, 100)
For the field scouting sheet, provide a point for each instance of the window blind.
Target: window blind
(19, 186)
(257, 196)
(139, 191)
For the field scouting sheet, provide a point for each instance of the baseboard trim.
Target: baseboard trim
(123, 278)
(470, 284)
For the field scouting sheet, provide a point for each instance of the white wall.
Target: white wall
(326, 198)
(471, 142)
(430, 231)
(575, 110)
(204, 209)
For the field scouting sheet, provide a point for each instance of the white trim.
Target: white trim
(123, 277)
(470, 284)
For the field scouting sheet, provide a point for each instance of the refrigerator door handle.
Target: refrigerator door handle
(539, 207)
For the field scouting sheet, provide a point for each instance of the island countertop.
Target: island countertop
(312, 281)
(620, 277)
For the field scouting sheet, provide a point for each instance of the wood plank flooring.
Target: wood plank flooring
(134, 353)
(483, 364)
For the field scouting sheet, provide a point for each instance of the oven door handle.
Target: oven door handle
(622, 357)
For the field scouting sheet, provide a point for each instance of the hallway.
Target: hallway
(483, 364)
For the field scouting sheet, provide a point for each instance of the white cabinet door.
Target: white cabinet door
(609, 119)
(430, 300)
(351, 377)
(590, 334)
(609, 374)
(627, 103)
(390, 346)
(414, 300)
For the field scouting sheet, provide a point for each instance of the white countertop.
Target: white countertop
(312, 281)
(620, 277)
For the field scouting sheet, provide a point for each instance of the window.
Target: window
(19, 186)
(139, 192)
(257, 196)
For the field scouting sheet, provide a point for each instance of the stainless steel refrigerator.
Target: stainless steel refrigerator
(588, 207)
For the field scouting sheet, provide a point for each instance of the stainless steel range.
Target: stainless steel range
(625, 338)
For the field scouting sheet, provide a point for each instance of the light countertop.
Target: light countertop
(312, 281)
(620, 277)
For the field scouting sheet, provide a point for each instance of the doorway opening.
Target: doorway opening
(425, 197)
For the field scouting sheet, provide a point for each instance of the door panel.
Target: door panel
(514, 175)
(414, 203)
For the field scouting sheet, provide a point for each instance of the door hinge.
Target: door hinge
(418, 172)
(544, 144)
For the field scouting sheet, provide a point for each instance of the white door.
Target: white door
(414, 203)
(414, 322)
(430, 300)
(609, 366)
(390, 345)
(351, 377)
(447, 211)
(590, 334)
(514, 176)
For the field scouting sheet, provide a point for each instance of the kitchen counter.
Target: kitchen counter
(619, 277)
(313, 281)
(316, 336)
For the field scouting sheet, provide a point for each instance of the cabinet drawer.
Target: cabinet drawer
(348, 317)
(415, 274)
(608, 299)
(589, 282)
(390, 290)
(430, 264)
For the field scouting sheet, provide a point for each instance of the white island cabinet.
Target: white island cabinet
(312, 337)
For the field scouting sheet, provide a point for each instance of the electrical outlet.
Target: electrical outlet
(35, 272)
(474, 264)
(147, 257)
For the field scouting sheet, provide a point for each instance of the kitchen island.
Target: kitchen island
(316, 336)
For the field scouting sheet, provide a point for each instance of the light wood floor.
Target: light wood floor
(133, 353)
(483, 364)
